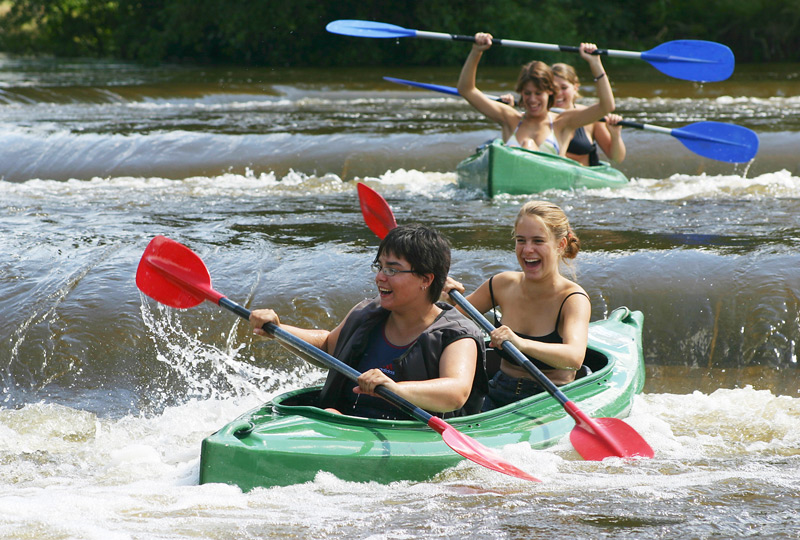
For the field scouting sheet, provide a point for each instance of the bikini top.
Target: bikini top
(549, 146)
(581, 145)
(552, 337)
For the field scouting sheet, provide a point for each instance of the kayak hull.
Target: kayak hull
(496, 168)
(288, 440)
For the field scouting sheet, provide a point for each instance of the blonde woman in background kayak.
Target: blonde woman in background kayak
(544, 314)
(535, 128)
(606, 133)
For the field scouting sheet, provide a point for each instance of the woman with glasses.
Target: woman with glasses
(544, 314)
(420, 349)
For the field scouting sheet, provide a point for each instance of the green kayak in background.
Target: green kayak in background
(496, 168)
(289, 440)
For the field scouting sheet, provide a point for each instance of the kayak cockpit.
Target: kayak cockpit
(305, 400)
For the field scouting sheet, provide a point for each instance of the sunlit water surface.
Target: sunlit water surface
(107, 396)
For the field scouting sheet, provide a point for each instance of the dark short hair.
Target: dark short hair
(425, 249)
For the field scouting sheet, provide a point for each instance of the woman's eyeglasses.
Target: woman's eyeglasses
(388, 271)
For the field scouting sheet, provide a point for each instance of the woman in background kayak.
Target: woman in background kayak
(536, 128)
(544, 314)
(606, 133)
(422, 350)
(583, 146)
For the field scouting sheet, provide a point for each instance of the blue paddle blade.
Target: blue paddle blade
(692, 60)
(435, 87)
(716, 140)
(368, 29)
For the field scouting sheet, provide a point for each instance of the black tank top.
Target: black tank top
(581, 145)
(552, 337)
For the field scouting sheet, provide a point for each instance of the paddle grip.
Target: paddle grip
(631, 124)
(458, 37)
(574, 49)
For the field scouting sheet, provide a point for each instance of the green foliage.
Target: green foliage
(65, 27)
(756, 30)
(292, 32)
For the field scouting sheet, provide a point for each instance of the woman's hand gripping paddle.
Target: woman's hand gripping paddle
(174, 275)
(593, 438)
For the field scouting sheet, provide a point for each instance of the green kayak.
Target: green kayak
(289, 440)
(496, 168)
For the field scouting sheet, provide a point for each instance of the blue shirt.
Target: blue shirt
(379, 354)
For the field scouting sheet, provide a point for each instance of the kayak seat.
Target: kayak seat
(583, 372)
(594, 360)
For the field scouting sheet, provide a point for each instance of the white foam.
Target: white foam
(120, 478)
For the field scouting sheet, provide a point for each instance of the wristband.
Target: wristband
(600, 76)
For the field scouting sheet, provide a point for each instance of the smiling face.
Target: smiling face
(402, 289)
(565, 96)
(534, 100)
(536, 80)
(537, 251)
(420, 247)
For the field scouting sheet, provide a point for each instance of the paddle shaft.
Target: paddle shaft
(692, 60)
(509, 347)
(305, 349)
(423, 34)
(581, 419)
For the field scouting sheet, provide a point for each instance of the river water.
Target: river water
(106, 395)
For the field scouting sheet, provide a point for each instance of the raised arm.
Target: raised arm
(500, 113)
(569, 121)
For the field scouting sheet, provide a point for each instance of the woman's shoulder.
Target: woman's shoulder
(366, 307)
(504, 285)
(570, 290)
(512, 116)
(505, 279)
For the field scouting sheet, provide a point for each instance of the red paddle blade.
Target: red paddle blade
(608, 437)
(172, 274)
(475, 451)
(377, 214)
